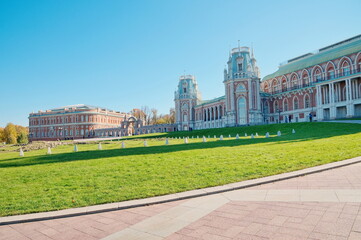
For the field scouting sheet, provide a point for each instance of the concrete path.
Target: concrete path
(324, 205)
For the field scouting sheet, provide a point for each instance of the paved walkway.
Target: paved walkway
(323, 205)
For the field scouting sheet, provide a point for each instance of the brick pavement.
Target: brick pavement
(324, 205)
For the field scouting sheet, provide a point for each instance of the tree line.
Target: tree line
(150, 116)
(13, 134)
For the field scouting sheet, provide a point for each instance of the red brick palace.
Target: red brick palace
(72, 122)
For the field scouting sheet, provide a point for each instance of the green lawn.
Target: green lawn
(65, 179)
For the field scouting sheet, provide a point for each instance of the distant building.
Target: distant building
(72, 122)
(325, 84)
(84, 121)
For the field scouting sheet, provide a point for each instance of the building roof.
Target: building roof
(77, 106)
(346, 47)
(204, 102)
(80, 107)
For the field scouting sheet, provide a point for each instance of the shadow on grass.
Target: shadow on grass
(303, 134)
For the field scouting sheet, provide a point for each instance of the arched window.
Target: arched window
(275, 107)
(317, 75)
(285, 105)
(266, 107)
(330, 71)
(274, 86)
(294, 82)
(242, 111)
(307, 101)
(345, 68)
(284, 85)
(266, 88)
(295, 103)
(305, 79)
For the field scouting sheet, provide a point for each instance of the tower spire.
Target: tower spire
(252, 53)
(239, 46)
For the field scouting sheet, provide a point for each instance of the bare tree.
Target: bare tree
(155, 116)
(146, 114)
(172, 115)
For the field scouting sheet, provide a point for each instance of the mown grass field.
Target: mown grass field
(66, 179)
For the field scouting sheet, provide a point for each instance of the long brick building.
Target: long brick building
(72, 122)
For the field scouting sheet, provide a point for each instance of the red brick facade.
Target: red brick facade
(72, 122)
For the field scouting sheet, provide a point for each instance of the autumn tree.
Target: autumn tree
(10, 134)
(2, 135)
(22, 134)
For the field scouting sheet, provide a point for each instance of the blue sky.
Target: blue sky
(126, 54)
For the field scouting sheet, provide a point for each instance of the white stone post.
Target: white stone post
(21, 154)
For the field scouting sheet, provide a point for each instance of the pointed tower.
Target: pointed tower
(242, 88)
(185, 98)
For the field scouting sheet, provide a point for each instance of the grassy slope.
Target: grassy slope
(40, 182)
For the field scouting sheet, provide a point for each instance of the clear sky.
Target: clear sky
(125, 54)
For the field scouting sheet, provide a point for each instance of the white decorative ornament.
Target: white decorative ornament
(21, 154)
